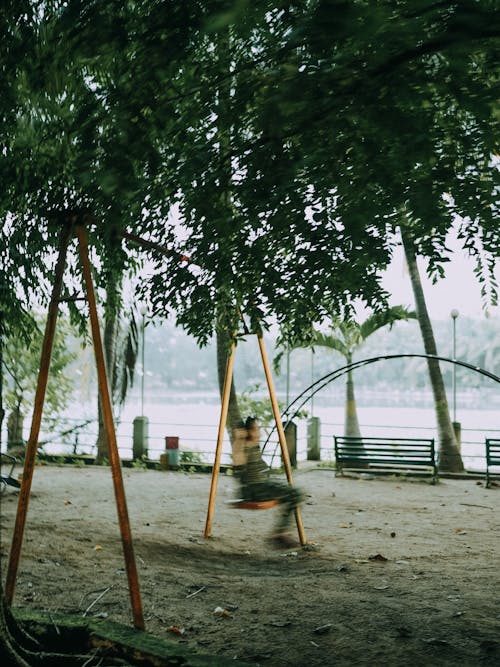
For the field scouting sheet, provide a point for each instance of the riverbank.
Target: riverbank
(196, 426)
(396, 571)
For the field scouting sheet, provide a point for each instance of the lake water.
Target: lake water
(194, 419)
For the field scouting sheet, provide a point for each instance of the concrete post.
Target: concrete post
(140, 437)
(313, 439)
(291, 442)
(457, 428)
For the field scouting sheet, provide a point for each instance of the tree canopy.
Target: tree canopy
(293, 138)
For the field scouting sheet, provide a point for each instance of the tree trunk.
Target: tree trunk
(19, 649)
(2, 411)
(233, 414)
(15, 428)
(224, 190)
(102, 439)
(111, 320)
(351, 423)
(449, 456)
(16, 648)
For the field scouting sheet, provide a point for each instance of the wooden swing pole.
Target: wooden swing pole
(32, 444)
(222, 423)
(281, 432)
(114, 458)
(220, 435)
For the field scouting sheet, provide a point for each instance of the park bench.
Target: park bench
(492, 457)
(8, 480)
(408, 455)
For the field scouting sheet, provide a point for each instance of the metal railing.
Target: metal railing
(75, 437)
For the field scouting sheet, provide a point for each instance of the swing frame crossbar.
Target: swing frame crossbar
(246, 504)
(69, 228)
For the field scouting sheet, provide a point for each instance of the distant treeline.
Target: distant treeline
(173, 360)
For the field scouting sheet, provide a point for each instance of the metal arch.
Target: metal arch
(316, 386)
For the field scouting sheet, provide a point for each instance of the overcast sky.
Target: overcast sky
(460, 288)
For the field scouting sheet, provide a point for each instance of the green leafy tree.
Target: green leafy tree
(165, 120)
(21, 360)
(66, 115)
(252, 403)
(339, 115)
(136, 132)
(338, 119)
(293, 142)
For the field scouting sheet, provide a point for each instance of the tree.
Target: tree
(449, 456)
(336, 124)
(65, 116)
(21, 360)
(298, 214)
(143, 129)
(290, 152)
(121, 349)
(348, 336)
(341, 115)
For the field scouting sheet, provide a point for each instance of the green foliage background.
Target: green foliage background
(295, 138)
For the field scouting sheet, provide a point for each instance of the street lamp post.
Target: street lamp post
(287, 377)
(312, 381)
(456, 425)
(2, 413)
(313, 424)
(141, 424)
(454, 315)
(143, 311)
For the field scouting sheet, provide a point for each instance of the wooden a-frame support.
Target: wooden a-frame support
(32, 444)
(220, 435)
(225, 404)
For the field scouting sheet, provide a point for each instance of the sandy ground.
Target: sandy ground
(397, 572)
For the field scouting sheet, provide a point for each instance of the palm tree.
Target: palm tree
(449, 456)
(121, 347)
(346, 337)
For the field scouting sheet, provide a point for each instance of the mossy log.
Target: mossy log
(41, 639)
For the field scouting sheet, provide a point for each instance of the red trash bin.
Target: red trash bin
(172, 447)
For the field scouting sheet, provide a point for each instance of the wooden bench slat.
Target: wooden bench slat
(385, 452)
(382, 459)
(492, 457)
(368, 439)
(394, 455)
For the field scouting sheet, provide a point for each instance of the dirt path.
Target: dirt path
(397, 572)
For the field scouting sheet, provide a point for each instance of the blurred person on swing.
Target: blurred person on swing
(255, 483)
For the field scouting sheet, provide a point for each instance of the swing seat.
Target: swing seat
(240, 504)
